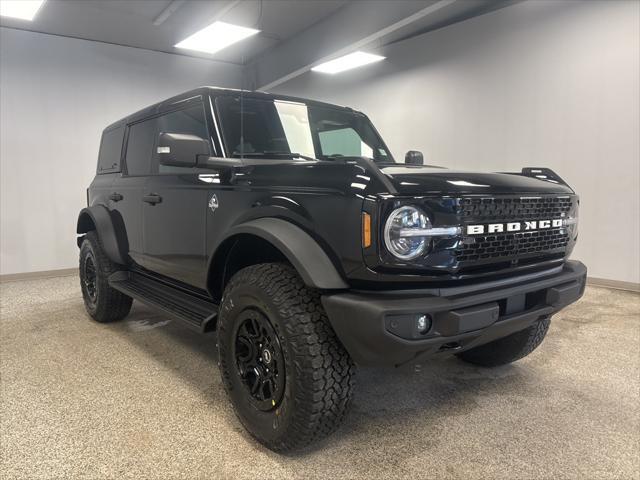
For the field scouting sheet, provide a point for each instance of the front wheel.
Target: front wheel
(287, 374)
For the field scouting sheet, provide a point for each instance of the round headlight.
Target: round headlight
(405, 247)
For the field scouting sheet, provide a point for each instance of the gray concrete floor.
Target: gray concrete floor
(142, 399)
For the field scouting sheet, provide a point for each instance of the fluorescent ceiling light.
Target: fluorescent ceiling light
(215, 37)
(22, 9)
(352, 60)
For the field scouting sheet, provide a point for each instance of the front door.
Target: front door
(175, 212)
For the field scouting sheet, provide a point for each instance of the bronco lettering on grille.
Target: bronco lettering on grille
(514, 226)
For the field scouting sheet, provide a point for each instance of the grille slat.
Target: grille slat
(514, 208)
(512, 245)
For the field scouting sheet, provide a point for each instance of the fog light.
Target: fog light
(423, 324)
(410, 326)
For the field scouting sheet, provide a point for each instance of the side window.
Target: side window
(189, 121)
(344, 141)
(139, 147)
(110, 150)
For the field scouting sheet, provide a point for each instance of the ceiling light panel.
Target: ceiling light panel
(22, 9)
(215, 37)
(347, 62)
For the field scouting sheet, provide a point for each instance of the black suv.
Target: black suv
(286, 226)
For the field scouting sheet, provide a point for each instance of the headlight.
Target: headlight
(403, 247)
(408, 231)
(572, 222)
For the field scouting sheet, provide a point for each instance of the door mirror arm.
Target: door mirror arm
(225, 168)
(218, 163)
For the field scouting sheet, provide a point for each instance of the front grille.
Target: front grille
(514, 208)
(512, 245)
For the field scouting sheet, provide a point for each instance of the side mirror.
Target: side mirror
(413, 157)
(181, 149)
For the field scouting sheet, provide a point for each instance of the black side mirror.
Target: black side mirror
(181, 149)
(413, 157)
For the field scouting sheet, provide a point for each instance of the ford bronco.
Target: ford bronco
(287, 227)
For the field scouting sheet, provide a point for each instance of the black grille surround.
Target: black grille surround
(512, 247)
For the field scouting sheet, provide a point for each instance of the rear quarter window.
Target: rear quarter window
(110, 150)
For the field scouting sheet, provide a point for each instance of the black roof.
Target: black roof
(169, 103)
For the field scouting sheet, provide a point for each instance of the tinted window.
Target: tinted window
(347, 134)
(252, 127)
(190, 121)
(139, 146)
(110, 150)
(271, 128)
(344, 141)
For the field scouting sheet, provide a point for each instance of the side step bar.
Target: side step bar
(194, 310)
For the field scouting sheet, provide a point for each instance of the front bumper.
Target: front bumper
(377, 328)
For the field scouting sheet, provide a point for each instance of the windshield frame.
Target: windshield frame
(310, 104)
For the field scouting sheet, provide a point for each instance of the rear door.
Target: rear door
(109, 166)
(126, 198)
(175, 226)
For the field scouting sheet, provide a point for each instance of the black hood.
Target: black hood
(423, 180)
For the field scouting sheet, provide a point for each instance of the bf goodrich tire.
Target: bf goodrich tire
(508, 349)
(103, 303)
(287, 374)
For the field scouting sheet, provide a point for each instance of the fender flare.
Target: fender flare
(98, 217)
(308, 258)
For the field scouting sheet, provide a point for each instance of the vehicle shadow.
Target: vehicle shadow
(188, 353)
(386, 400)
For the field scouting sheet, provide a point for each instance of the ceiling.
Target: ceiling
(367, 25)
(293, 33)
(131, 22)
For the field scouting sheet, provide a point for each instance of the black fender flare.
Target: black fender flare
(305, 254)
(97, 217)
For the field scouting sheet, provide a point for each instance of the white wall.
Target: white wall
(56, 96)
(540, 83)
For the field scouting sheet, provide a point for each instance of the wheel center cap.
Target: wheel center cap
(266, 356)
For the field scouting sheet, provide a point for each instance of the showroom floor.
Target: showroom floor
(143, 399)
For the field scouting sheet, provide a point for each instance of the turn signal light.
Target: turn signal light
(366, 230)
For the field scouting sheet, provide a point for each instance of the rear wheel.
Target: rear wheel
(103, 303)
(287, 374)
(508, 349)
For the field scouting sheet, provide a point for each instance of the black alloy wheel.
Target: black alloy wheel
(259, 360)
(89, 278)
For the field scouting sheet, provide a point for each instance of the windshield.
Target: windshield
(269, 128)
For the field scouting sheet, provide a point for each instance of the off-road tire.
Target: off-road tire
(319, 373)
(508, 349)
(108, 304)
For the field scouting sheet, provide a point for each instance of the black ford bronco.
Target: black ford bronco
(288, 228)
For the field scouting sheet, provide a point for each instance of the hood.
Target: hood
(424, 180)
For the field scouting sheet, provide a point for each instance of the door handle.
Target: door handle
(116, 197)
(152, 198)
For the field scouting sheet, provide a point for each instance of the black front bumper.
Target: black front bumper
(379, 328)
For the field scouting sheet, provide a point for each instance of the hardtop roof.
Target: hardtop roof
(159, 107)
